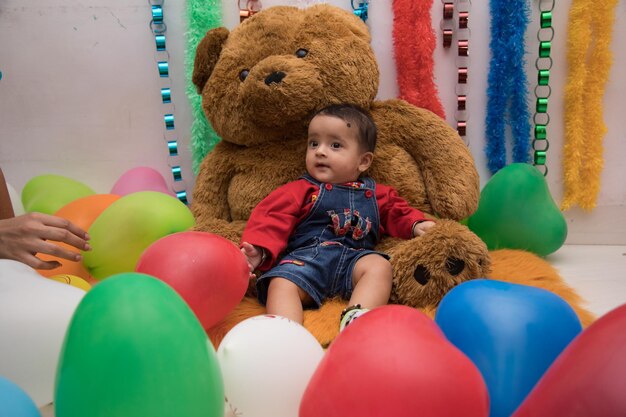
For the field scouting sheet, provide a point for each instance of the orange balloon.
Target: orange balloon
(67, 267)
(82, 212)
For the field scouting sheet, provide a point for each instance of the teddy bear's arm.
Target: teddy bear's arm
(210, 195)
(450, 177)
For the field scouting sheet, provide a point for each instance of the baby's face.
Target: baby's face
(333, 152)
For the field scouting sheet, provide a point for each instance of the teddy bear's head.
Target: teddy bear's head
(260, 82)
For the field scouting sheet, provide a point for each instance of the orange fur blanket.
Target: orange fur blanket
(514, 266)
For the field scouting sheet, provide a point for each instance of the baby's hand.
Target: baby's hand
(421, 228)
(254, 256)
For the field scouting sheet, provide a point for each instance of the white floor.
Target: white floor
(597, 272)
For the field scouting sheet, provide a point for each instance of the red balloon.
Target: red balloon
(209, 272)
(394, 361)
(588, 378)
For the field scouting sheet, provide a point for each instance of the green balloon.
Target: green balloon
(517, 211)
(134, 348)
(128, 226)
(48, 193)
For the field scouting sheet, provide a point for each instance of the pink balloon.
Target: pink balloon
(394, 361)
(208, 271)
(588, 378)
(141, 179)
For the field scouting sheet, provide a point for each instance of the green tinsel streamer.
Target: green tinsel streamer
(202, 15)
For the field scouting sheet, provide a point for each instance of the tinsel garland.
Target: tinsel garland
(414, 44)
(202, 15)
(589, 60)
(508, 87)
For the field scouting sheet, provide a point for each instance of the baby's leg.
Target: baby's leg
(284, 298)
(371, 281)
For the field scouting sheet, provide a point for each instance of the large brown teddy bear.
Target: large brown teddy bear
(259, 85)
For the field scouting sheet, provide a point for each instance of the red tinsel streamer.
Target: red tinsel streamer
(414, 42)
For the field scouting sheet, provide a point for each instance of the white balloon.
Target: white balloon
(35, 313)
(267, 362)
(16, 200)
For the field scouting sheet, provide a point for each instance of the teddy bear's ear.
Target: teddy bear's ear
(207, 54)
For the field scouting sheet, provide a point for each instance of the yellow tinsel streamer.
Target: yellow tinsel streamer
(589, 60)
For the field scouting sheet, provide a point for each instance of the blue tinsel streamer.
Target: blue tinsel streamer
(507, 92)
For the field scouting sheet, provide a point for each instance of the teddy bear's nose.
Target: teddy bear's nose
(275, 77)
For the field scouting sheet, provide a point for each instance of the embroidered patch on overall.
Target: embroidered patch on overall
(291, 261)
(352, 222)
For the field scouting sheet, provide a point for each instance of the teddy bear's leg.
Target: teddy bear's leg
(521, 267)
(427, 267)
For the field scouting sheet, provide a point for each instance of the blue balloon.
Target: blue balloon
(14, 402)
(511, 332)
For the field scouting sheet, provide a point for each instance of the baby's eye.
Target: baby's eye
(301, 53)
(312, 144)
(335, 145)
(243, 74)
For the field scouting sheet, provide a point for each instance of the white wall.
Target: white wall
(80, 94)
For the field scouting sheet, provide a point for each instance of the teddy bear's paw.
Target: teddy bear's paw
(427, 267)
(454, 266)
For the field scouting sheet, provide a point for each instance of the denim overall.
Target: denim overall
(342, 226)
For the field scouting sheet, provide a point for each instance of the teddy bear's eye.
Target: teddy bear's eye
(301, 53)
(243, 74)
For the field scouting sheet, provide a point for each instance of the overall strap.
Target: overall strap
(310, 179)
(369, 182)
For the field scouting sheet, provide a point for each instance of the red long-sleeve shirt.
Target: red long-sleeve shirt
(274, 219)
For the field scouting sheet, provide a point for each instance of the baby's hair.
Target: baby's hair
(351, 113)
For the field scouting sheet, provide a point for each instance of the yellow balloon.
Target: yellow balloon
(72, 280)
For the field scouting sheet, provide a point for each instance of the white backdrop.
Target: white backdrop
(80, 94)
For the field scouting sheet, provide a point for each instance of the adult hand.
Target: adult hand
(23, 237)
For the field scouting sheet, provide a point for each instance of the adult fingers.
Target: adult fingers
(61, 223)
(53, 249)
(36, 263)
(61, 230)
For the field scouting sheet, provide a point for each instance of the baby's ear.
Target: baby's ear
(207, 54)
(366, 161)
